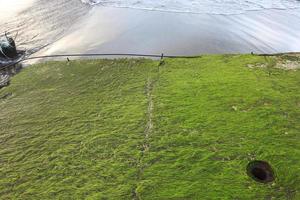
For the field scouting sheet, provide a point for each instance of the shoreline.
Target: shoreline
(31, 60)
(103, 29)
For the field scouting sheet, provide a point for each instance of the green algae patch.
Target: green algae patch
(138, 129)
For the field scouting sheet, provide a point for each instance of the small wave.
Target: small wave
(203, 6)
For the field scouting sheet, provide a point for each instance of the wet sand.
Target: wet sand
(119, 30)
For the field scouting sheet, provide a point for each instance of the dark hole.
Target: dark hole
(260, 171)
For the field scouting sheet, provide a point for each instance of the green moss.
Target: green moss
(78, 130)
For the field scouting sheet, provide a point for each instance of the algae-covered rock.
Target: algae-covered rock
(7, 47)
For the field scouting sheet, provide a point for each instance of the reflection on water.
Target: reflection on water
(10, 8)
(43, 22)
(71, 26)
(118, 30)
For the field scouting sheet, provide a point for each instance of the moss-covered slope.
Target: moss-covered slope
(131, 129)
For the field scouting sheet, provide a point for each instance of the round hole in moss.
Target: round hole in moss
(261, 171)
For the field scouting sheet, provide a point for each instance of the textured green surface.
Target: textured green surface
(128, 129)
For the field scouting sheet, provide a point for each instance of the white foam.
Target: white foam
(200, 6)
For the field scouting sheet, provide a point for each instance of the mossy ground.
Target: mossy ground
(131, 129)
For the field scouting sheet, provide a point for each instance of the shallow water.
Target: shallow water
(41, 22)
(10, 8)
(50, 27)
(117, 30)
(203, 6)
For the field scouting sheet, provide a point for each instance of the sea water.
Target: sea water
(220, 26)
(200, 6)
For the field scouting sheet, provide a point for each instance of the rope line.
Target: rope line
(97, 54)
(122, 54)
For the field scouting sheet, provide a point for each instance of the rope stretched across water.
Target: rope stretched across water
(97, 54)
(161, 56)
